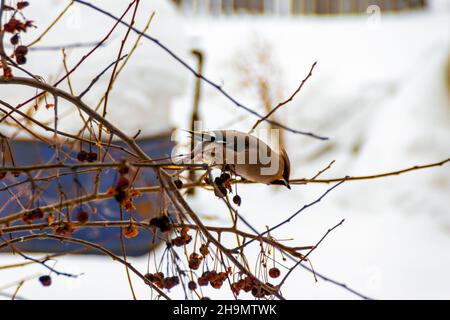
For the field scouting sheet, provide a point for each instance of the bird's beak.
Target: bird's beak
(286, 183)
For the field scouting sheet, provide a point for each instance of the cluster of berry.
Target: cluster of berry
(182, 239)
(162, 282)
(214, 278)
(87, 156)
(248, 284)
(32, 215)
(16, 26)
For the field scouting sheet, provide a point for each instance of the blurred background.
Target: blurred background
(380, 92)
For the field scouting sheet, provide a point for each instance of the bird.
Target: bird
(243, 154)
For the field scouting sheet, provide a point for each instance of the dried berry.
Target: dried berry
(216, 284)
(15, 39)
(21, 51)
(21, 59)
(210, 275)
(223, 276)
(178, 242)
(178, 183)
(170, 282)
(2, 174)
(46, 281)
(274, 272)
(192, 285)
(258, 292)
(237, 200)
(91, 157)
(195, 260)
(22, 4)
(82, 216)
(151, 277)
(202, 282)
(131, 231)
(82, 156)
(65, 228)
(204, 250)
(34, 214)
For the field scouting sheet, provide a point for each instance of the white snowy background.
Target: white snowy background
(379, 91)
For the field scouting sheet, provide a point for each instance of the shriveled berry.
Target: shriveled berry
(34, 214)
(92, 157)
(170, 282)
(202, 281)
(64, 229)
(82, 156)
(131, 231)
(216, 284)
(258, 292)
(2, 175)
(192, 285)
(274, 272)
(20, 59)
(46, 281)
(237, 200)
(195, 260)
(21, 51)
(82, 216)
(178, 183)
(178, 242)
(22, 4)
(15, 39)
(204, 250)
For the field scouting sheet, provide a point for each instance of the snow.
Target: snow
(379, 93)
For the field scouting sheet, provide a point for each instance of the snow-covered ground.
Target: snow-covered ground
(379, 92)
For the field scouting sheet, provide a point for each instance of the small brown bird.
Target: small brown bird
(244, 154)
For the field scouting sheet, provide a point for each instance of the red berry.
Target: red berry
(123, 183)
(202, 281)
(20, 59)
(274, 272)
(82, 216)
(45, 280)
(14, 39)
(91, 157)
(21, 51)
(178, 183)
(192, 285)
(82, 156)
(237, 200)
(22, 4)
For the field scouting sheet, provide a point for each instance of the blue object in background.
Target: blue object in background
(147, 205)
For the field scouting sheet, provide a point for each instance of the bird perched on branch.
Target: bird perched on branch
(243, 154)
